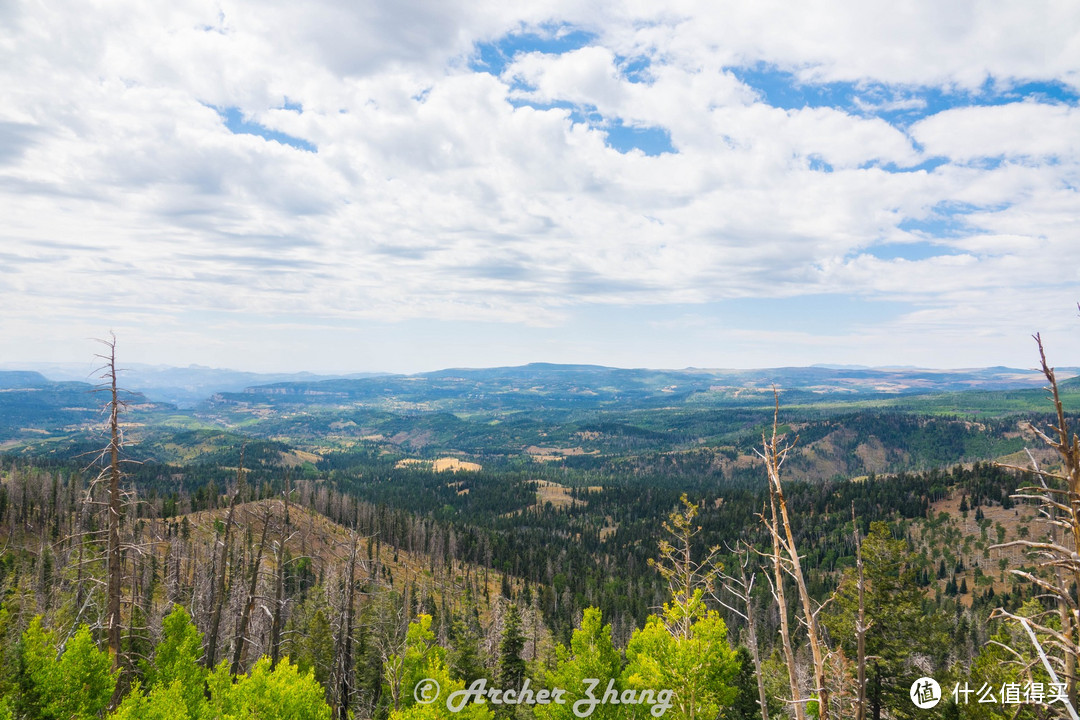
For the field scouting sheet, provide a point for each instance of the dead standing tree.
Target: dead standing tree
(861, 625)
(742, 588)
(1057, 564)
(276, 615)
(342, 675)
(217, 591)
(112, 474)
(249, 603)
(785, 556)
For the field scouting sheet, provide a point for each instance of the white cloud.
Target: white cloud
(1030, 131)
(435, 193)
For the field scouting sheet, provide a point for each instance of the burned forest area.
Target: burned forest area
(584, 542)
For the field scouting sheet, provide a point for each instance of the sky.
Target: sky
(344, 186)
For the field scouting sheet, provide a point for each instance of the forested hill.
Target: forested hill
(548, 386)
(507, 525)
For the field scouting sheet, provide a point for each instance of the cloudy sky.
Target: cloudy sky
(349, 185)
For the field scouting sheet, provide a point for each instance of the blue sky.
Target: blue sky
(359, 186)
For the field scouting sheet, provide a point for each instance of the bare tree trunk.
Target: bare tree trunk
(113, 621)
(860, 626)
(774, 456)
(742, 587)
(781, 602)
(343, 652)
(217, 593)
(79, 596)
(1057, 566)
(279, 583)
(245, 615)
(279, 587)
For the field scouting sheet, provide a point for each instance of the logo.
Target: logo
(657, 702)
(426, 691)
(925, 693)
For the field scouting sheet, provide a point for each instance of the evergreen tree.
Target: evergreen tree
(511, 669)
(463, 656)
(898, 625)
(313, 642)
(744, 706)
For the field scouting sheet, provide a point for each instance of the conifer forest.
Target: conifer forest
(767, 553)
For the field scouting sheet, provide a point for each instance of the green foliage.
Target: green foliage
(84, 680)
(996, 666)
(745, 704)
(281, 693)
(36, 667)
(511, 669)
(78, 686)
(164, 702)
(774, 673)
(312, 643)
(591, 655)
(699, 668)
(898, 623)
(463, 655)
(176, 660)
(422, 656)
(424, 660)
(8, 655)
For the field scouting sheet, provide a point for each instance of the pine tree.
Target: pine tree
(113, 620)
(463, 656)
(511, 668)
(897, 626)
(744, 706)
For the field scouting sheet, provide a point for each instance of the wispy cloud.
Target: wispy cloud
(381, 165)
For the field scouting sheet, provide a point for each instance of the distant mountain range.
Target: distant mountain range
(572, 412)
(188, 386)
(548, 386)
(180, 386)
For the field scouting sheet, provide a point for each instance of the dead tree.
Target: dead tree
(113, 620)
(860, 624)
(1057, 564)
(742, 587)
(774, 453)
(249, 603)
(276, 614)
(342, 677)
(217, 592)
(776, 585)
